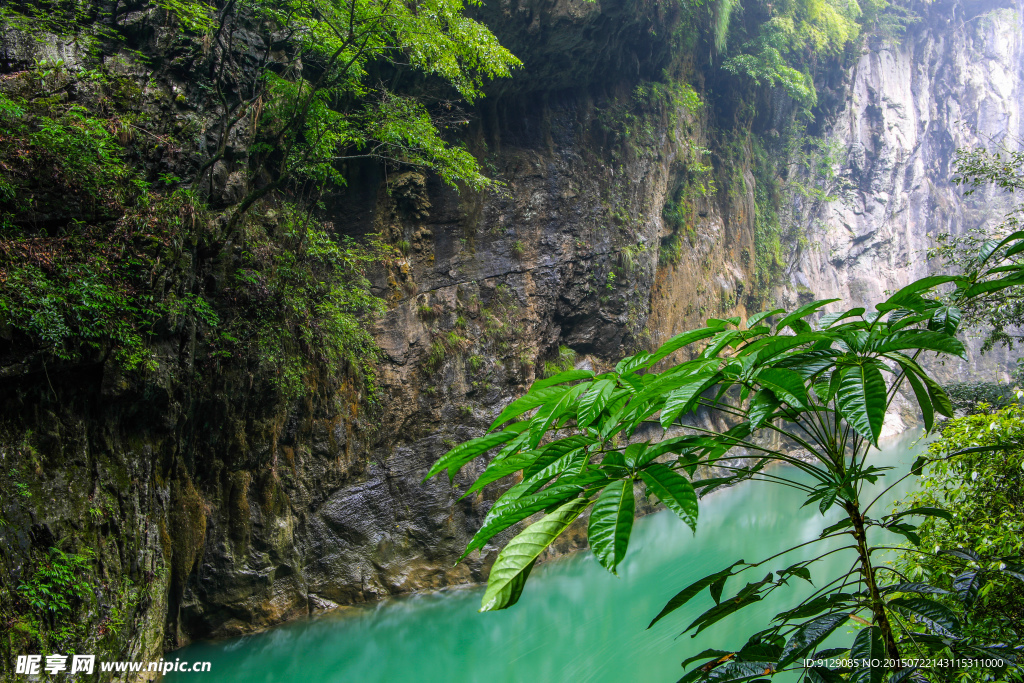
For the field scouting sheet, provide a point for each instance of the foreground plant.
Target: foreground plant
(583, 441)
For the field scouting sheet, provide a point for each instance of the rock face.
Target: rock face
(955, 81)
(278, 511)
(492, 288)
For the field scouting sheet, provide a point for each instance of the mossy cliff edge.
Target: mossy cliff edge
(212, 425)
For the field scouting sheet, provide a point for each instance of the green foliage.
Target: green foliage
(692, 181)
(983, 492)
(999, 313)
(794, 171)
(74, 290)
(793, 39)
(59, 584)
(769, 192)
(564, 362)
(86, 247)
(301, 305)
(972, 397)
(582, 440)
(777, 56)
(323, 101)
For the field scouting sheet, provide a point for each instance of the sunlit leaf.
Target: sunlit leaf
(611, 522)
(861, 399)
(674, 490)
(516, 559)
(464, 452)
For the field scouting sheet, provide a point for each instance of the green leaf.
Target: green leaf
(925, 511)
(539, 426)
(676, 377)
(631, 364)
(867, 646)
(679, 341)
(760, 651)
(1014, 570)
(923, 400)
(691, 591)
(611, 522)
(967, 586)
(504, 584)
(762, 406)
(716, 589)
(909, 531)
(593, 402)
(800, 571)
(532, 399)
(808, 636)
(778, 345)
(464, 452)
(506, 512)
(841, 601)
(736, 671)
(827, 500)
(555, 450)
(922, 588)
(918, 286)
(498, 469)
(683, 399)
(787, 385)
(706, 654)
(802, 312)
(861, 399)
(920, 339)
(830, 319)
(634, 453)
(936, 616)
(990, 247)
(841, 524)
(721, 340)
(562, 377)
(677, 445)
(758, 317)
(746, 597)
(940, 401)
(990, 286)
(945, 319)
(674, 490)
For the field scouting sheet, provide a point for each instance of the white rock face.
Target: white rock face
(956, 80)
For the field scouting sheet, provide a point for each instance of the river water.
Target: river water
(575, 622)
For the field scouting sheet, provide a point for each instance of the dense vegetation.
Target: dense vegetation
(983, 491)
(99, 232)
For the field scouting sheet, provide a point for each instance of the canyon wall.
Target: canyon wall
(955, 82)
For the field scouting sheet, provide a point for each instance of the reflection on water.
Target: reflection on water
(575, 622)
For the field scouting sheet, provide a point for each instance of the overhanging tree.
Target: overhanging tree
(581, 441)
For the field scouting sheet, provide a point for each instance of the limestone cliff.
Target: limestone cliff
(954, 82)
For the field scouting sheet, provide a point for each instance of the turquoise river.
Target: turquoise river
(575, 622)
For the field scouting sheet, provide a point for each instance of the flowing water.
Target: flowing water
(575, 621)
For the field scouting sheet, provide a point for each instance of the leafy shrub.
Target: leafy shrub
(983, 490)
